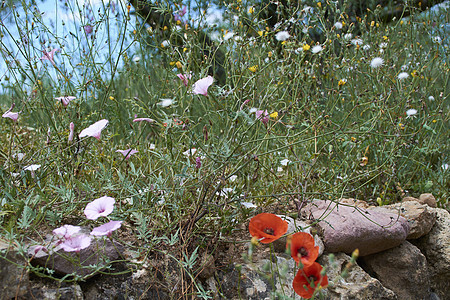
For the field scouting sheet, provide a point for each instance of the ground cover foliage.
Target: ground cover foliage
(317, 107)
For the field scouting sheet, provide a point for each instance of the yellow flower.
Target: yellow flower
(372, 23)
(111, 98)
(401, 125)
(319, 4)
(306, 47)
(185, 49)
(269, 54)
(178, 64)
(342, 82)
(165, 28)
(414, 73)
(385, 37)
(172, 63)
(260, 33)
(434, 121)
(353, 139)
(251, 10)
(274, 115)
(253, 68)
(401, 22)
(178, 22)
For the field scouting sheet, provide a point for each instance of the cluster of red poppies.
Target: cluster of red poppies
(267, 228)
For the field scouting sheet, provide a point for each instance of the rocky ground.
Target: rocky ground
(404, 254)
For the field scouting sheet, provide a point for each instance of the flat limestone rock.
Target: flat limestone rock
(346, 228)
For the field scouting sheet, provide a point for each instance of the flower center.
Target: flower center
(312, 279)
(269, 231)
(302, 252)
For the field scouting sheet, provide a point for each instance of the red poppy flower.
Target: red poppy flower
(308, 279)
(269, 227)
(303, 248)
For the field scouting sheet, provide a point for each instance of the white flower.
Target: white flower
(377, 62)
(152, 147)
(249, 205)
(252, 110)
(338, 25)
(404, 67)
(32, 168)
(224, 192)
(437, 39)
(383, 45)
(431, 98)
(285, 162)
(402, 75)
(348, 36)
(279, 169)
(189, 152)
(136, 59)
(411, 112)
(357, 42)
(165, 43)
(282, 36)
(228, 36)
(166, 102)
(444, 167)
(316, 49)
(233, 178)
(366, 47)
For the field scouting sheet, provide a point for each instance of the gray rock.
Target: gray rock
(72, 292)
(13, 274)
(420, 217)
(356, 286)
(411, 280)
(436, 248)
(86, 263)
(346, 228)
(428, 199)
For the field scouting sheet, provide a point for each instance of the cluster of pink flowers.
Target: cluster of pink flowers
(71, 238)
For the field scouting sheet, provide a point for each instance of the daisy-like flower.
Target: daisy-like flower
(165, 44)
(185, 78)
(282, 36)
(137, 59)
(106, 229)
(100, 207)
(285, 162)
(402, 75)
(431, 98)
(49, 55)
(267, 227)
(76, 243)
(71, 131)
(95, 129)
(348, 36)
(143, 119)
(338, 25)
(303, 248)
(32, 168)
(189, 152)
(376, 62)
(201, 86)
(233, 178)
(65, 99)
(66, 232)
(166, 102)
(127, 153)
(357, 42)
(248, 205)
(308, 280)
(8, 114)
(228, 36)
(411, 112)
(316, 49)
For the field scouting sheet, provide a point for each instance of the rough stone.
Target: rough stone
(86, 263)
(346, 228)
(357, 285)
(436, 248)
(293, 227)
(428, 199)
(13, 274)
(420, 217)
(354, 202)
(402, 269)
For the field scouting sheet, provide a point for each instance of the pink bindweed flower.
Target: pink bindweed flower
(11, 115)
(106, 229)
(243, 104)
(88, 29)
(65, 100)
(94, 130)
(201, 86)
(72, 128)
(66, 232)
(37, 251)
(76, 243)
(49, 55)
(263, 115)
(143, 119)
(127, 153)
(100, 207)
(185, 78)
